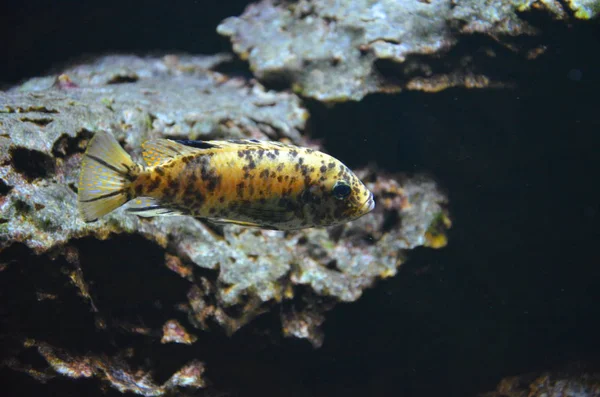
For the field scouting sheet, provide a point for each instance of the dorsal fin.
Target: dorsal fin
(245, 141)
(197, 144)
(158, 151)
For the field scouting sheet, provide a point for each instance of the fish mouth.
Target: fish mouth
(363, 209)
(368, 205)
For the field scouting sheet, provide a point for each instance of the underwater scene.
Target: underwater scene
(300, 198)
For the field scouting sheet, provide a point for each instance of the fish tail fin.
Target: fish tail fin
(105, 177)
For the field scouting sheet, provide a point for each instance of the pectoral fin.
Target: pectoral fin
(267, 215)
(262, 218)
(240, 223)
(232, 222)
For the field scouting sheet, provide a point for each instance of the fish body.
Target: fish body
(247, 182)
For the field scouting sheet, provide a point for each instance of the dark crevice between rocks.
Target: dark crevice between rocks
(37, 302)
(128, 276)
(336, 232)
(5, 188)
(461, 60)
(130, 284)
(132, 289)
(42, 121)
(32, 164)
(123, 79)
(234, 68)
(28, 109)
(280, 80)
(333, 265)
(66, 145)
(391, 221)
(21, 384)
(22, 207)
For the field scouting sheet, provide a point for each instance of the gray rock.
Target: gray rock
(112, 371)
(576, 382)
(337, 51)
(46, 122)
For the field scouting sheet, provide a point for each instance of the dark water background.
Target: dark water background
(517, 288)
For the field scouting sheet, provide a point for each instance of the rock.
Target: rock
(584, 9)
(44, 127)
(339, 51)
(174, 332)
(111, 370)
(232, 274)
(549, 384)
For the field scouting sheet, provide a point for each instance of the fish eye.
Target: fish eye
(341, 190)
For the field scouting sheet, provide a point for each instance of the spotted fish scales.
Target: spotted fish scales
(247, 182)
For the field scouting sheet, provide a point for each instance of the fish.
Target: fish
(263, 184)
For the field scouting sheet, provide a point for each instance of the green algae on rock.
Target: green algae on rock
(338, 51)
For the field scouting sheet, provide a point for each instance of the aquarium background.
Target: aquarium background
(515, 291)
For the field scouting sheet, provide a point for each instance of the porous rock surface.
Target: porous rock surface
(343, 50)
(232, 273)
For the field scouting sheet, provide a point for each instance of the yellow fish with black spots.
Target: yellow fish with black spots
(247, 182)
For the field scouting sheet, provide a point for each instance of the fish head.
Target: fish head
(336, 197)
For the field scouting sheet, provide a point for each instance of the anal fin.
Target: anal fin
(148, 207)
